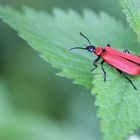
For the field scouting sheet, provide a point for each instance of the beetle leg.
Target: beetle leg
(123, 74)
(103, 70)
(94, 63)
(108, 45)
(126, 51)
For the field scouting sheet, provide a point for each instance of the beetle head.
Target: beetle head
(90, 48)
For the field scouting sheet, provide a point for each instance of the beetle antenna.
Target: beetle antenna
(78, 48)
(85, 38)
(96, 40)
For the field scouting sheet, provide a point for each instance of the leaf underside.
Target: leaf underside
(53, 35)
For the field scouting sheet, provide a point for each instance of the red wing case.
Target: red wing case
(128, 56)
(120, 61)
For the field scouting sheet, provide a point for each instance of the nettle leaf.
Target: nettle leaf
(132, 12)
(53, 35)
(119, 107)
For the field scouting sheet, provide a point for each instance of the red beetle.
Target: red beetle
(124, 62)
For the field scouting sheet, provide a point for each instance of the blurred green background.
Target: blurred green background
(34, 102)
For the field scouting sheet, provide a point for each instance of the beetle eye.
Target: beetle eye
(91, 49)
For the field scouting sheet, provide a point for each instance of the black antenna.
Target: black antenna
(85, 38)
(78, 48)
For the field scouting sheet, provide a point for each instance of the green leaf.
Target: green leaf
(53, 35)
(132, 12)
(118, 103)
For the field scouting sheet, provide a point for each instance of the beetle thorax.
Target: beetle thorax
(98, 51)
